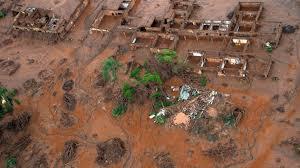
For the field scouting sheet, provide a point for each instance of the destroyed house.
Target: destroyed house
(111, 15)
(247, 15)
(36, 18)
(181, 9)
(154, 41)
(225, 65)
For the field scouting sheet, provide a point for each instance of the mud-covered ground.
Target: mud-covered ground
(133, 141)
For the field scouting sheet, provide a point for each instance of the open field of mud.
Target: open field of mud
(151, 83)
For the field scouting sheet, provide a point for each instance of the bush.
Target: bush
(156, 96)
(158, 104)
(229, 120)
(151, 78)
(109, 69)
(203, 80)
(166, 56)
(11, 162)
(119, 110)
(7, 101)
(2, 14)
(135, 73)
(128, 92)
(160, 119)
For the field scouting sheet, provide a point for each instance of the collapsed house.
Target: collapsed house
(238, 43)
(111, 15)
(223, 65)
(47, 19)
(155, 42)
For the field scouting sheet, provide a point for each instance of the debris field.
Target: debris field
(149, 83)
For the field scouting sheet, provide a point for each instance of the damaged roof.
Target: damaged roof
(62, 8)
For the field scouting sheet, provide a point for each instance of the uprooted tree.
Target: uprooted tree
(8, 101)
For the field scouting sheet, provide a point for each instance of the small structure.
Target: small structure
(111, 15)
(164, 41)
(143, 40)
(223, 65)
(155, 42)
(42, 18)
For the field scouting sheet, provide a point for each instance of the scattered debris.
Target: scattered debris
(46, 75)
(67, 120)
(294, 142)
(69, 101)
(110, 152)
(222, 151)
(268, 47)
(70, 149)
(230, 15)
(281, 109)
(99, 81)
(8, 67)
(68, 85)
(20, 145)
(163, 160)
(20, 123)
(289, 29)
(41, 162)
(187, 91)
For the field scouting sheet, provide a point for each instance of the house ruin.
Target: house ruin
(111, 15)
(47, 19)
(234, 44)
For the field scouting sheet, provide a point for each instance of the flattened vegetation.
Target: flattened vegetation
(110, 152)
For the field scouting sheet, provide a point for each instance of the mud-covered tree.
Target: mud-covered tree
(166, 56)
(203, 80)
(7, 101)
(2, 14)
(109, 69)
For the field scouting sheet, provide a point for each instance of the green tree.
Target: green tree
(203, 80)
(11, 162)
(135, 73)
(151, 78)
(2, 14)
(160, 119)
(128, 92)
(166, 56)
(109, 69)
(7, 101)
(119, 110)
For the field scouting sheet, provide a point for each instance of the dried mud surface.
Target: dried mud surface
(58, 85)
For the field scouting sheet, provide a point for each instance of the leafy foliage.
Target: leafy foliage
(7, 101)
(11, 162)
(156, 96)
(160, 119)
(166, 56)
(119, 110)
(2, 14)
(151, 78)
(229, 119)
(135, 73)
(109, 69)
(128, 92)
(203, 80)
(158, 104)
